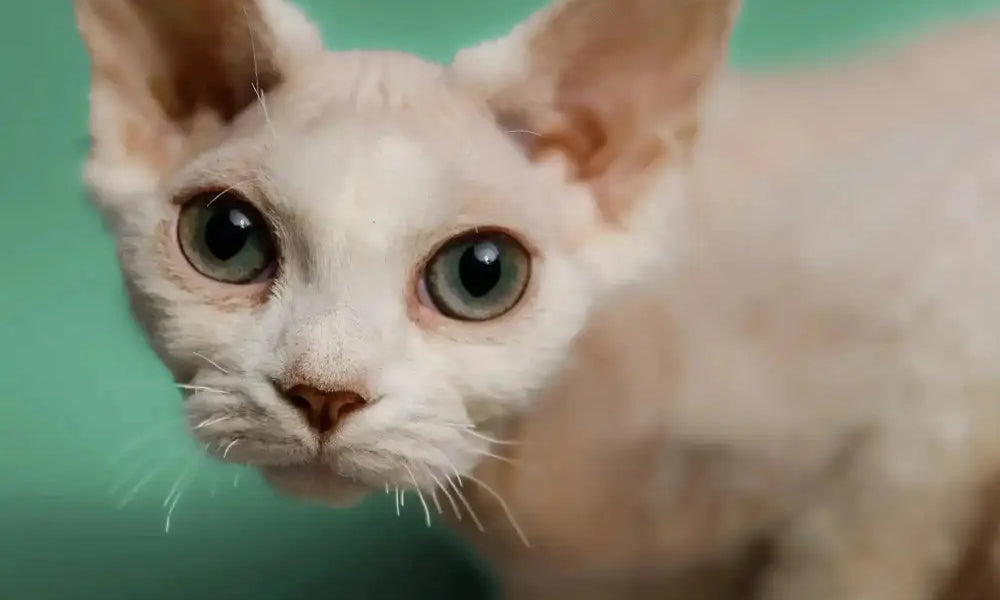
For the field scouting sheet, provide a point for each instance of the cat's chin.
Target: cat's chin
(316, 483)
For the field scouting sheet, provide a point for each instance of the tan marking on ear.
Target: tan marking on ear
(614, 87)
(168, 75)
(649, 59)
(216, 52)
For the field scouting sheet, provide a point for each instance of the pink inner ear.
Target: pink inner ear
(612, 87)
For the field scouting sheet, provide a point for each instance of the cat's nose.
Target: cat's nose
(322, 409)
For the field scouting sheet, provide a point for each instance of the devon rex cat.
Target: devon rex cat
(366, 269)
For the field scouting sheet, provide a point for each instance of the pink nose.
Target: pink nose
(323, 410)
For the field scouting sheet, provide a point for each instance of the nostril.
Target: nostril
(300, 403)
(322, 409)
(348, 407)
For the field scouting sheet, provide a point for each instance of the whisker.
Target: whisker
(491, 440)
(200, 388)
(143, 438)
(454, 469)
(468, 507)
(229, 447)
(129, 473)
(503, 459)
(177, 482)
(437, 503)
(132, 493)
(236, 478)
(255, 86)
(528, 131)
(216, 197)
(170, 511)
(198, 354)
(471, 430)
(416, 487)
(397, 500)
(211, 421)
(503, 505)
(183, 483)
(437, 482)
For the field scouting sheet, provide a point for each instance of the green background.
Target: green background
(77, 385)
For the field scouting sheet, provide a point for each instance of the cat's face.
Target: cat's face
(354, 262)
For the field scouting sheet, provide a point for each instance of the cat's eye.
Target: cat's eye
(226, 239)
(476, 276)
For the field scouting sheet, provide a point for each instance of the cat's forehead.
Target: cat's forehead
(384, 137)
(395, 90)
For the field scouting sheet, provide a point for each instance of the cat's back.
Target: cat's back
(779, 125)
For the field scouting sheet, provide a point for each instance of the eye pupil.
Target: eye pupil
(227, 232)
(480, 269)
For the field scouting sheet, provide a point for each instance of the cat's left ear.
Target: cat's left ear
(611, 87)
(168, 76)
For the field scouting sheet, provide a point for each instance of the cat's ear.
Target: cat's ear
(613, 86)
(168, 75)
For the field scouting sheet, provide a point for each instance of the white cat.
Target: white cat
(364, 268)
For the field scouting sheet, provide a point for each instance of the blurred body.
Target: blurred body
(869, 159)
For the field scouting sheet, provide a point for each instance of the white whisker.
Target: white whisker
(528, 131)
(468, 507)
(138, 467)
(198, 354)
(454, 469)
(437, 482)
(144, 437)
(211, 421)
(255, 86)
(229, 447)
(416, 487)
(170, 511)
(471, 430)
(498, 457)
(180, 478)
(200, 388)
(491, 440)
(216, 197)
(132, 493)
(437, 503)
(397, 500)
(503, 505)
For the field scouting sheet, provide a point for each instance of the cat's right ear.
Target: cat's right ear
(167, 77)
(612, 90)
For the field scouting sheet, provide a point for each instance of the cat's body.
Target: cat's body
(766, 363)
(848, 254)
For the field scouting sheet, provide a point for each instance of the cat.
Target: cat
(620, 471)
(365, 270)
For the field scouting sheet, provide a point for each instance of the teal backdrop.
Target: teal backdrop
(86, 412)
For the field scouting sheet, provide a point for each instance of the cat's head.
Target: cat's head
(350, 261)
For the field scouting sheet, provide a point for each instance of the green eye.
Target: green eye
(225, 238)
(476, 276)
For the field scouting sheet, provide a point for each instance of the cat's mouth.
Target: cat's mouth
(315, 480)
